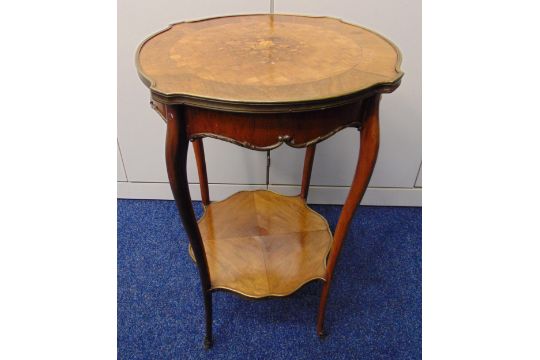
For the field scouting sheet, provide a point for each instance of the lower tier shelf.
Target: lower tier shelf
(260, 243)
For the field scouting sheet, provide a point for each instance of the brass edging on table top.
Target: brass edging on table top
(274, 107)
(269, 107)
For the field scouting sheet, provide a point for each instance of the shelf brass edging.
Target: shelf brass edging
(327, 252)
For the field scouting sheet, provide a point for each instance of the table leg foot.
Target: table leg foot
(322, 334)
(208, 343)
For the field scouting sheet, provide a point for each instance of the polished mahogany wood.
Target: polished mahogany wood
(369, 147)
(306, 174)
(261, 131)
(260, 243)
(198, 149)
(260, 81)
(267, 62)
(176, 148)
(363, 115)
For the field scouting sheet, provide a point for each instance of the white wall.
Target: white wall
(121, 173)
(419, 178)
(141, 132)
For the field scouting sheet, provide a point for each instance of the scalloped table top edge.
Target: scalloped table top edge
(293, 64)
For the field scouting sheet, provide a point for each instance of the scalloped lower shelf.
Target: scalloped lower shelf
(260, 243)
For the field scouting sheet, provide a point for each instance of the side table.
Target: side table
(259, 81)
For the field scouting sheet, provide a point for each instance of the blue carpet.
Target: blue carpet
(373, 312)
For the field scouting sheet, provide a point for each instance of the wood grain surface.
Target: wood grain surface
(259, 243)
(262, 131)
(266, 59)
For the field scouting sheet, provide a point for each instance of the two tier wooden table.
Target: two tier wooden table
(260, 81)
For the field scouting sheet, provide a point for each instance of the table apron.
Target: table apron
(268, 131)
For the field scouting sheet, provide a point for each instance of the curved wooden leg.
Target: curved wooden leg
(176, 156)
(306, 175)
(198, 149)
(369, 147)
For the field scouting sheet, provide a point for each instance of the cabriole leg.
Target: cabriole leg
(369, 147)
(198, 149)
(176, 157)
(306, 175)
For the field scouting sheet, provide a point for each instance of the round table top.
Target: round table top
(266, 62)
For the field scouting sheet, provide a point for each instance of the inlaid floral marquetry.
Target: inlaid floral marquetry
(266, 59)
(259, 243)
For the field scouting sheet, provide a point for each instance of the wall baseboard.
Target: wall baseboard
(317, 194)
(162, 191)
(373, 196)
